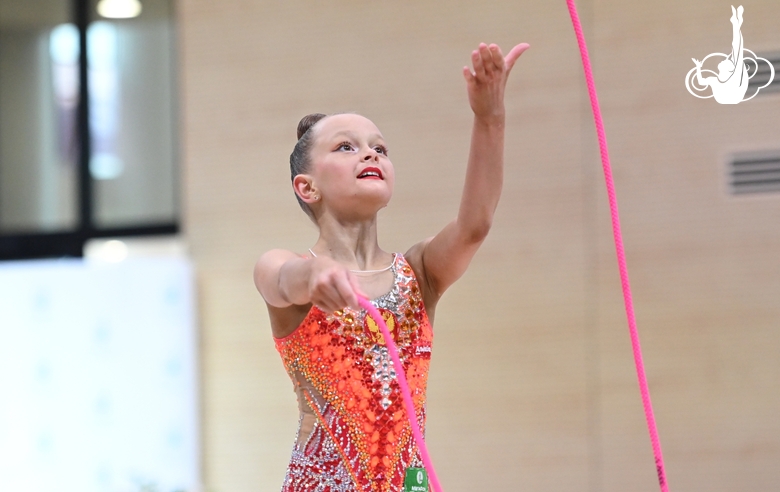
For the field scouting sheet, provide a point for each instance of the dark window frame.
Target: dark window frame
(70, 243)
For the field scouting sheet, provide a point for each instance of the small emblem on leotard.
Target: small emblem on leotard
(416, 480)
(373, 328)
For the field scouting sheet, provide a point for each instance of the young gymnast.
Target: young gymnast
(353, 433)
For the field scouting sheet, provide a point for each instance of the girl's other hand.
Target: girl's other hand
(332, 286)
(486, 83)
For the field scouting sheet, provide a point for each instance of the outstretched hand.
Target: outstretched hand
(487, 81)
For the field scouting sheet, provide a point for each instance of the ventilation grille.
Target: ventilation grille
(762, 75)
(755, 173)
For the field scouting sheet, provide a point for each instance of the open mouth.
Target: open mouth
(370, 173)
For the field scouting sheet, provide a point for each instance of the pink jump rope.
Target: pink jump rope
(621, 258)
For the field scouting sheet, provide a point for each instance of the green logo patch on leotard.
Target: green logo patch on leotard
(416, 480)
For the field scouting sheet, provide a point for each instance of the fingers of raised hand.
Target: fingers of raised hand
(486, 59)
(468, 75)
(477, 62)
(514, 54)
(496, 57)
(491, 62)
(488, 62)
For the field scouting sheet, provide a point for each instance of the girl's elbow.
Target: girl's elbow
(478, 232)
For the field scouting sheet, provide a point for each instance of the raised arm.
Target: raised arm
(443, 258)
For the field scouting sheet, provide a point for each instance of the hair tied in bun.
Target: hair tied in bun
(307, 122)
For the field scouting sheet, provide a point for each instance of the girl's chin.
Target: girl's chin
(370, 200)
(364, 208)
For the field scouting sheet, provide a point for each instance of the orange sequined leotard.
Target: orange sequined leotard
(353, 434)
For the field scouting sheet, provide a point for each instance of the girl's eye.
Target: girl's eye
(345, 146)
(381, 149)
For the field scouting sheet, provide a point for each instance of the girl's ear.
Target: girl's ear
(304, 188)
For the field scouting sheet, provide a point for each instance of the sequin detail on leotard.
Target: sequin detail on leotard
(353, 433)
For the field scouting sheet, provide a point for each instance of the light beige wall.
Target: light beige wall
(532, 384)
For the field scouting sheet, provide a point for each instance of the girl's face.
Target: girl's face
(350, 168)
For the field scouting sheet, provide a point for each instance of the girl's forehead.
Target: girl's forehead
(346, 124)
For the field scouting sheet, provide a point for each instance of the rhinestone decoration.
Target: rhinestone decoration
(383, 372)
(346, 384)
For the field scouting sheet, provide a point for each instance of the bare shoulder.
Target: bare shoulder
(275, 256)
(266, 275)
(415, 257)
(284, 315)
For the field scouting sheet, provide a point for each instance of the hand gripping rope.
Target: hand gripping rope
(621, 258)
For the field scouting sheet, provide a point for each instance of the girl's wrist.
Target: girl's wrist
(492, 120)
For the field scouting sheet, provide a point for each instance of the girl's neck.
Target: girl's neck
(353, 244)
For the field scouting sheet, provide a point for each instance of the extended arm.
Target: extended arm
(445, 257)
(284, 278)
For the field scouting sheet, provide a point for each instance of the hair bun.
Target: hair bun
(307, 122)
